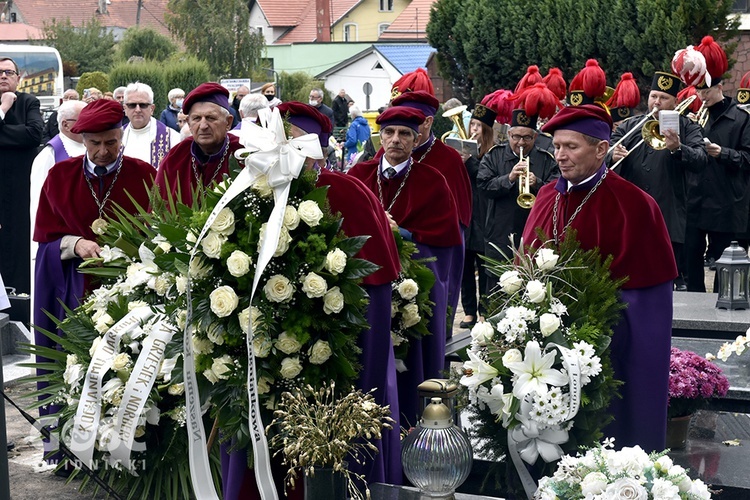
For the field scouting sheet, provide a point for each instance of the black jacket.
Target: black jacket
(340, 107)
(474, 235)
(720, 197)
(662, 174)
(504, 216)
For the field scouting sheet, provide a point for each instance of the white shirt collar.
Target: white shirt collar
(384, 165)
(570, 184)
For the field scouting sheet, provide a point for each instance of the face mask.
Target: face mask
(313, 102)
(178, 103)
(270, 97)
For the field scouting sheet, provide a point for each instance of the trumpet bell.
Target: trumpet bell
(526, 200)
(651, 135)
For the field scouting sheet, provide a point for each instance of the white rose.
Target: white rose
(215, 333)
(136, 304)
(288, 344)
(310, 213)
(73, 375)
(181, 283)
(546, 259)
(314, 285)
(222, 367)
(535, 291)
(71, 359)
(199, 269)
(333, 301)
(700, 490)
(261, 346)
(261, 186)
(244, 319)
(510, 282)
(238, 263)
(290, 367)
(223, 301)
(224, 222)
(210, 375)
(212, 243)
(264, 385)
(291, 218)
(394, 309)
(181, 318)
(548, 324)
(335, 261)
(120, 362)
(284, 240)
(482, 332)
(408, 289)
(512, 356)
(176, 389)
(594, 483)
(162, 284)
(202, 346)
(278, 289)
(410, 315)
(255, 316)
(626, 488)
(320, 352)
(101, 327)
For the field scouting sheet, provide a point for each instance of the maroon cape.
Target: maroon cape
(67, 206)
(425, 206)
(176, 173)
(363, 215)
(448, 162)
(619, 218)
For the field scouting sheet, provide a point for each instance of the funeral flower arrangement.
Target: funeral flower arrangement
(538, 375)
(692, 381)
(306, 318)
(602, 472)
(411, 307)
(320, 428)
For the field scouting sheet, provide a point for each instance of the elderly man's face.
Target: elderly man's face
(139, 109)
(398, 142)
(209, 124)
(70, 95)
(68, 123)
(521, 137)
(102, 148)
(576, 157)
(119, 96)
(8, 77)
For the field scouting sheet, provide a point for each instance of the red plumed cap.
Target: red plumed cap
(412, 82)
(686, 93)
(626, 94)
(531, 77)
(539, 101)
(591, 80)
(500, 102)
(716, 58)
(556, 83)
(745, 82)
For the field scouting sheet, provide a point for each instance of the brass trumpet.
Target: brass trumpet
(701, 116)
(525, 199)
(456, 116)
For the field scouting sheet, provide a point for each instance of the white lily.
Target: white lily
(479, 371)
(535, 372)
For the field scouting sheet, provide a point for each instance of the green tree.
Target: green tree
(145, 43)
(95, 79)
(87, 47)
(297, 86)
(217, 31)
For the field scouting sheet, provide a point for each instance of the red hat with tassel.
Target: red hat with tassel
(556, 83)
(500, 102)
(743, 92)
(413, 82)
(588, 85)
(533, 103)
(625, 98)
(531, 77)
(716, 62)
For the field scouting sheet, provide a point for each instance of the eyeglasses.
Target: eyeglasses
(524, 138)
(8, 72)
(142, 105)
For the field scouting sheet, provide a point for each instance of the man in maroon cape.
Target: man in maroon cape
(362, 216)
(204, 158)
(612, 214)
(421, 207)
(77, 194)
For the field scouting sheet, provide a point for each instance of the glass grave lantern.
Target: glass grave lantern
(732, 271)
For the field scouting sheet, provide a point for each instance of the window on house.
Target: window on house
(386, 5)
(382, 27)
(350, 32)
(737, 6)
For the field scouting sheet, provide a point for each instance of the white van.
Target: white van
(41, 72)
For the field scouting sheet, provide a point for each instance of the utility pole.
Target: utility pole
(138, 13)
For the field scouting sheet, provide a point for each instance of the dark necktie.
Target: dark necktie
(100, 173)
(389, 172)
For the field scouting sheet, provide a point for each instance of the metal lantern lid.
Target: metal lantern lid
(733, 254)
(436, 415)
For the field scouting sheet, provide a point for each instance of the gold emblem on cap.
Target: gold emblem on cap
(395, 93)
(743, 96)
(576, 98)
(623, 112)
(480, 110)
(522, 118)
(664, 83)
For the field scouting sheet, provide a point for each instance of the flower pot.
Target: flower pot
(326, 484)
(677, 431)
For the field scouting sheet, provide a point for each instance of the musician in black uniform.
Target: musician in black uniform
(663, 173)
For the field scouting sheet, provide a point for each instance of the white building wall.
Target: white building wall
(353, 77)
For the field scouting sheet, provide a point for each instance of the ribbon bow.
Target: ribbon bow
(533, 440)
